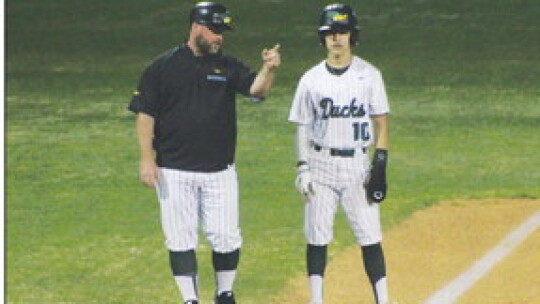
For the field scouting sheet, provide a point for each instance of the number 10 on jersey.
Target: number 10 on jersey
(361, 131)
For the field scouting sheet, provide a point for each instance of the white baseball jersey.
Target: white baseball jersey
(338, 108)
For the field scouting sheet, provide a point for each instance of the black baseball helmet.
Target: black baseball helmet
(211, 14)
(338, 17)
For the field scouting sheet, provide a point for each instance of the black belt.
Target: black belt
(338, 152)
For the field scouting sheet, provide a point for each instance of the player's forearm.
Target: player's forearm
(263, 82)
(302, 143)
(145, 134)
(381, 131)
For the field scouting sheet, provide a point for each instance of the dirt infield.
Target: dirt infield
(431, 248)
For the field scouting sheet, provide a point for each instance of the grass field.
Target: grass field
(462, 78)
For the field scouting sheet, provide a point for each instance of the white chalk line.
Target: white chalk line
(449, 293)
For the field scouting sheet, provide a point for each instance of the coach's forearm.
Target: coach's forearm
(145, 134)
(381, 132)
(263, 82)
(147, 167)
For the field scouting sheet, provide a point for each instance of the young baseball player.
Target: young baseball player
(340, 108)
(186, 127)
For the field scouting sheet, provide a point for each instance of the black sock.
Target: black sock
(183, 263)
(316, 259)
(225, 265)
(225, 261)
(374, 264)
(184, 269)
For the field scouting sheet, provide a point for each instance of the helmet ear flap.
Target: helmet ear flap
(321, 39)
(354, 38)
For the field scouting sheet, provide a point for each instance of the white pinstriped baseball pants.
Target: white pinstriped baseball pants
(340, 180)
(190, 199)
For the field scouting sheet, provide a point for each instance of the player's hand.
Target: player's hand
(148, 173)
(271, 57)
(303, 181)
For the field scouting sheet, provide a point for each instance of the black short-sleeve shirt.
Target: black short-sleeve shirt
(192, 101)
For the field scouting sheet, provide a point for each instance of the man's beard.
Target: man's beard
(205, 47)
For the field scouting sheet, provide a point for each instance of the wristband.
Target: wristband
(380, 157)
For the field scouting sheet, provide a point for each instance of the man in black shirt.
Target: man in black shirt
(186, 126)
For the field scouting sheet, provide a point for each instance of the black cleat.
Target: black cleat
(191, 302)
(226, 297)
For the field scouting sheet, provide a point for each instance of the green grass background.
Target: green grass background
(462, 78)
